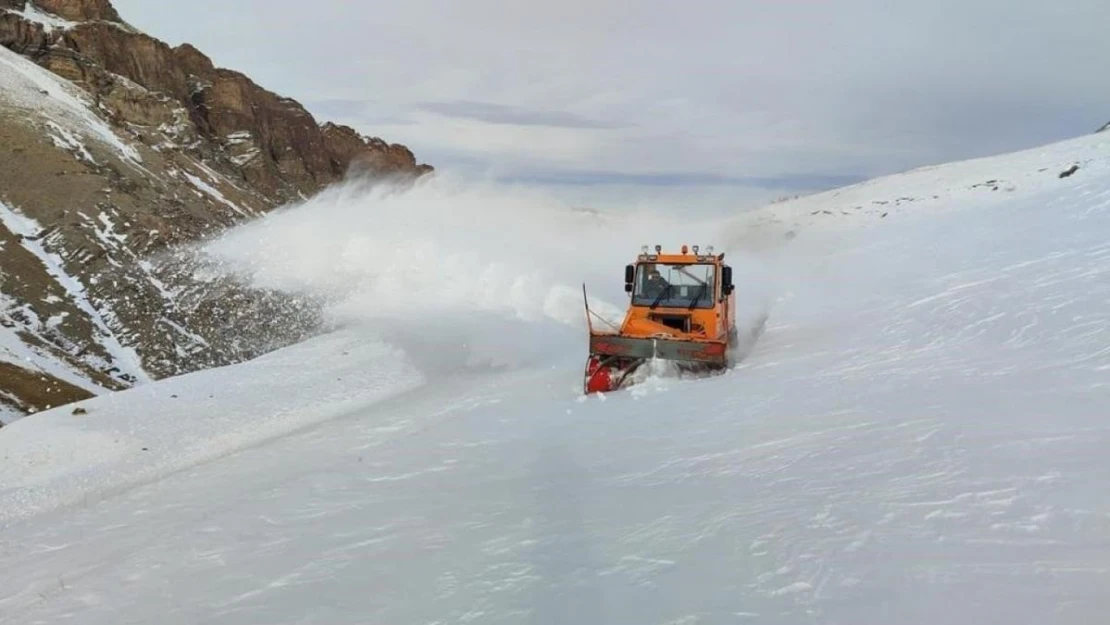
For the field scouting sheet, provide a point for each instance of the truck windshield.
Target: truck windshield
(675, 286)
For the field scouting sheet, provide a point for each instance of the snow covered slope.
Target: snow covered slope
(951, 186)
(85, 305)
(919, 437)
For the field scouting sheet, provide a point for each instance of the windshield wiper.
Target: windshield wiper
(662, 294)
(701, 291)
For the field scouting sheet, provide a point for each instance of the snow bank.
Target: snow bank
(145, 433)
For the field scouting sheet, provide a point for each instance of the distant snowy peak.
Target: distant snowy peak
(1104, 128)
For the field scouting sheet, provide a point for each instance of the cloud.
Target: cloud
(648, 91)
(339, 107)
(686, 179)
(501, 114)
(358, 112)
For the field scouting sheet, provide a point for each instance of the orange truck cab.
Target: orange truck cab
(681, 309)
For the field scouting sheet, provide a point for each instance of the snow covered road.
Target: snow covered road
(919, 437)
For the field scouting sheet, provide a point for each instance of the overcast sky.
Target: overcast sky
(759, 97)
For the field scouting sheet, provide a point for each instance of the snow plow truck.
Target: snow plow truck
(681, 310)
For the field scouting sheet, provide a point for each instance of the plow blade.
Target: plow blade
(613, 359)
(709, 352)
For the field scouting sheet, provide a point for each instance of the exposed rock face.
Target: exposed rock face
(94, 197)
(22, 36)
(278, 147)
(1104, 128)
(347, 146)
(80, 10)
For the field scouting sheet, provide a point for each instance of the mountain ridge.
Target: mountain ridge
(118, 152)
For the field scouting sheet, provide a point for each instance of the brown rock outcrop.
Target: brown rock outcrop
(80, 10)
(347, 146)
(21, 36)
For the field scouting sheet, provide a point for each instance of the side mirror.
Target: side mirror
(629, 274)
(726, 280)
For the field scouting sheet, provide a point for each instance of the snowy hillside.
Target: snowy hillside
(118, 151)
(62, 328)
(951, 186)
(919, 437)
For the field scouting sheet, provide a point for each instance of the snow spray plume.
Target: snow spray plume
(478, 270)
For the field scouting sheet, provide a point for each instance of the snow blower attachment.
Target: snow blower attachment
(682, 310)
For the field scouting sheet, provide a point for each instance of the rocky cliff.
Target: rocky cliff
(115, 150)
